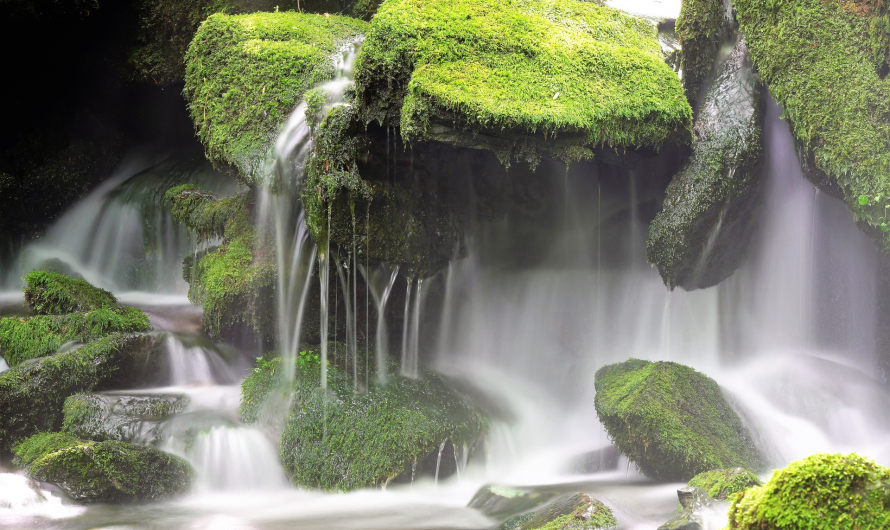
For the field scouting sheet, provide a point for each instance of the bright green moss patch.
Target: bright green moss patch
(719, 484)
(823, 60)
(343, 440)
(246, 73)
(29, 338)
(841, 492)
(574, 73)
(49, 293)
(104, 471)
(670, 420)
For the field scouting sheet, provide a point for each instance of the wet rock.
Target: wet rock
(572, 510)
(106, 471)
(504, 501)
(692, 501)
(33, 393)
(702, 233)
(719, 484)
(124, 418)
(701, 27)
(671, 421)
(605, 459)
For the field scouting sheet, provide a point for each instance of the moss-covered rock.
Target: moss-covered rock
(246, 73)
(106, 471)
(825, 63)
(49, 293)
(33, 393)
(701, 27)
(29, 338)
(692, 501)
(504, 501)
(670, 420)
(719, 484)
(341, 440)
(571, 511)
(701, 235)
(520, 77)
(843, 492)
(131, 419)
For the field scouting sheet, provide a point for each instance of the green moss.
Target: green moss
(841, 492)
(246, 73)
(49, 293)
(719, 484)
(365, 9)
(564, 76)
(823, 60)
(570, 511)
(700, 28)
(670, 420)
(29, 338)
(32, 394)
(341, 440)
(106, 471)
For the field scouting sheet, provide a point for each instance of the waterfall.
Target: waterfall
(380, 282)
(236, 458)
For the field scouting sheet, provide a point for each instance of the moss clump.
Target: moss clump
(131, 419)
(32, 394)
(701, 26)
(842, 492)
(235, 282)
(573, 511)
(824, 60)
(29, 338)
(701, 235)
(719, 484)
(559, 76)
(49, 293)
(246, 73)
(670, 420)
(341, 440)
(106, 471)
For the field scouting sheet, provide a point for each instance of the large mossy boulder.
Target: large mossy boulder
(50, 293)
(135, 419)
(246, 73)
(33, 393)
(29, 338)
(341, 439)
(671, 421)
(106, 471)
(576, 511)
(842, 492)
(521, 78)
(825, 63)
(701, 235)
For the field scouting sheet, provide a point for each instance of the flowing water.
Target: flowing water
(791, 336)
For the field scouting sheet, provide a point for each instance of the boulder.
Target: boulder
(49, 293)
(134, 419)
(504, 501)
(820, 491)
(522, 79)
(702, 232)
(692, 501)
(33, 393)
(719, 484)
(29, 338)
(106, 471)
(825, 63)
(572, 510)
(671, 421)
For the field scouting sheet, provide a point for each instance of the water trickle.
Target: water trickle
(380, 281)
(196, 365)
(439, 461)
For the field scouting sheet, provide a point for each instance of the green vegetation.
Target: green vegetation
(49, 293)
(670, 420)
(572, 511)
(235, 282)
(526, 75)
(246, 73)
(32, 394)
(29, 338)
(131, 419)
(106, 471)
(701, 235)
(824, 60)
(343, 440)
(841, 492)
(700, 27)
(719, 484)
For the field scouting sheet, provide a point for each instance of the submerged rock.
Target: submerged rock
(692, 500)
(670, 420)
(522, 79)
(504, 501)
(246, 73)
(820, 491)
(131, 419)
(701, 235)
(719, 484)
(49, 293)
(577, 511)
(825, 63)
(32, 394)
(338, 439)
(106, 471)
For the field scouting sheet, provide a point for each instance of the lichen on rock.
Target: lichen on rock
(670, 420)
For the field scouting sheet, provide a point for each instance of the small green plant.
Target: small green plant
(308, 360)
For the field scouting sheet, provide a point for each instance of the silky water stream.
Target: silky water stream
(528, 333)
